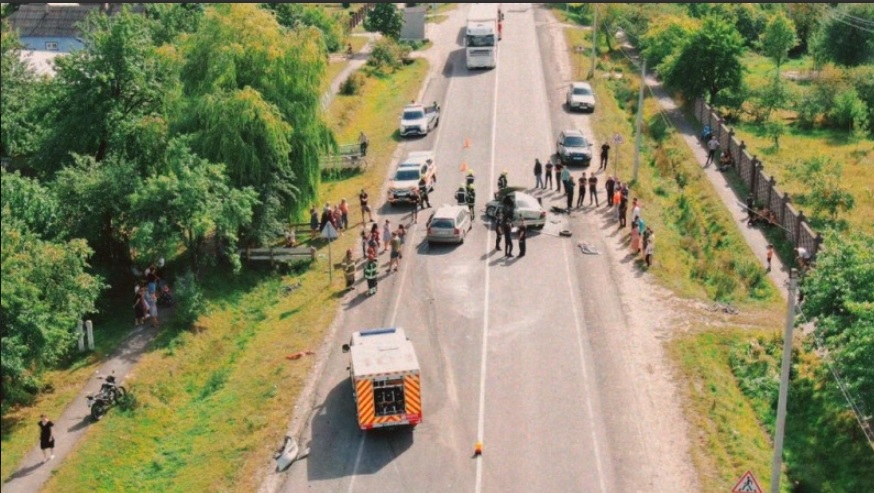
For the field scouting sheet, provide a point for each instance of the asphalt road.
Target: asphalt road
(529, 355)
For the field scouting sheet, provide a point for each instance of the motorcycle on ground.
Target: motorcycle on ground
(108, 395)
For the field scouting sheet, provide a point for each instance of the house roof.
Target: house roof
(56, 19)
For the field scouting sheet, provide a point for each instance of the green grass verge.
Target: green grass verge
(213, 403)
(731, 378)
(700, 252)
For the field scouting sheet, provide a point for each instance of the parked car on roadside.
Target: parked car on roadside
(572, 148)
(419, 119)
(449, 224)
(581, 97)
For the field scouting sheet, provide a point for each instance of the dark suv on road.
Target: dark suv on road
(573, 148)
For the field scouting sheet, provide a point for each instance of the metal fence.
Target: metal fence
(762, 187)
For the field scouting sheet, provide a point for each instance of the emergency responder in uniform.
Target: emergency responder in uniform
(461, 195)
(502, 180)
(469, 177)
(471, 199)
(423, 193)
(370, 275)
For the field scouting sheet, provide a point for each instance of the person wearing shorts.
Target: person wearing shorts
(395, 255)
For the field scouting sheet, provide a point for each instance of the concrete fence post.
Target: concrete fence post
(89, 329)
(81, 331)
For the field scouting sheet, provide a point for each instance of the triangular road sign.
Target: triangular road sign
(747, 484)
(329, 232)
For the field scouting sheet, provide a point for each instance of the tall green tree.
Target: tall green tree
(707, 62)
(779, 37)
(187, 202)
(845, 35)
(665, 34)
(96, 205)
(251, 100)
(173, 19)
(46, 291)
(826, 192)
(21, 88)
(386, 19)
(839, 295)
(101, 91)
(331, 27)
(34, 205)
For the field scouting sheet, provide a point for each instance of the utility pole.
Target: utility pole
(784, 386)
(639, 117)
(594, 41)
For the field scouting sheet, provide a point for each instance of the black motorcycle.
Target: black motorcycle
(110, 393)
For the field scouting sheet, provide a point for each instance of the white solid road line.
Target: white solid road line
(587, 392)
(482, 376)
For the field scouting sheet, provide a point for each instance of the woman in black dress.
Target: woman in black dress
(46, 438)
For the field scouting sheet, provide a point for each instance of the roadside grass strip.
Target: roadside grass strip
(212, 403)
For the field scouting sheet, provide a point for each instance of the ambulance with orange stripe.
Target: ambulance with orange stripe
(385, 378)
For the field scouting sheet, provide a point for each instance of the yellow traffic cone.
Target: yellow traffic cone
(463, 168)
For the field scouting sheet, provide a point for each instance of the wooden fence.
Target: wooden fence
(762, 187)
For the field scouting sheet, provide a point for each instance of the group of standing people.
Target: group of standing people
(337, 216)
(504, 230)
(146, 294)
(642, 236)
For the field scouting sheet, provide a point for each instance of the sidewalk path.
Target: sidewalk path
(76, 418)
(754, 237)
(69, 427)
(358, 60)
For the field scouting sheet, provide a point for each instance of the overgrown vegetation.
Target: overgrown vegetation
(229, 376)
(731, 378)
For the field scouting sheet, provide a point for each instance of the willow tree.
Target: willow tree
(251, 100)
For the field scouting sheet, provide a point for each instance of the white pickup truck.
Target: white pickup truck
(418, 119)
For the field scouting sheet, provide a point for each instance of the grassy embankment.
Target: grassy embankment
(729, 374)
(213, 403)
(798, 145)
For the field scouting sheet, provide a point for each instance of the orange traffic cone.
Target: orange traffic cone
(466, 143)
(478, 449)
(463, 168)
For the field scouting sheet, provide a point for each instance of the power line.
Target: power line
(839, 16)
(826, 357)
